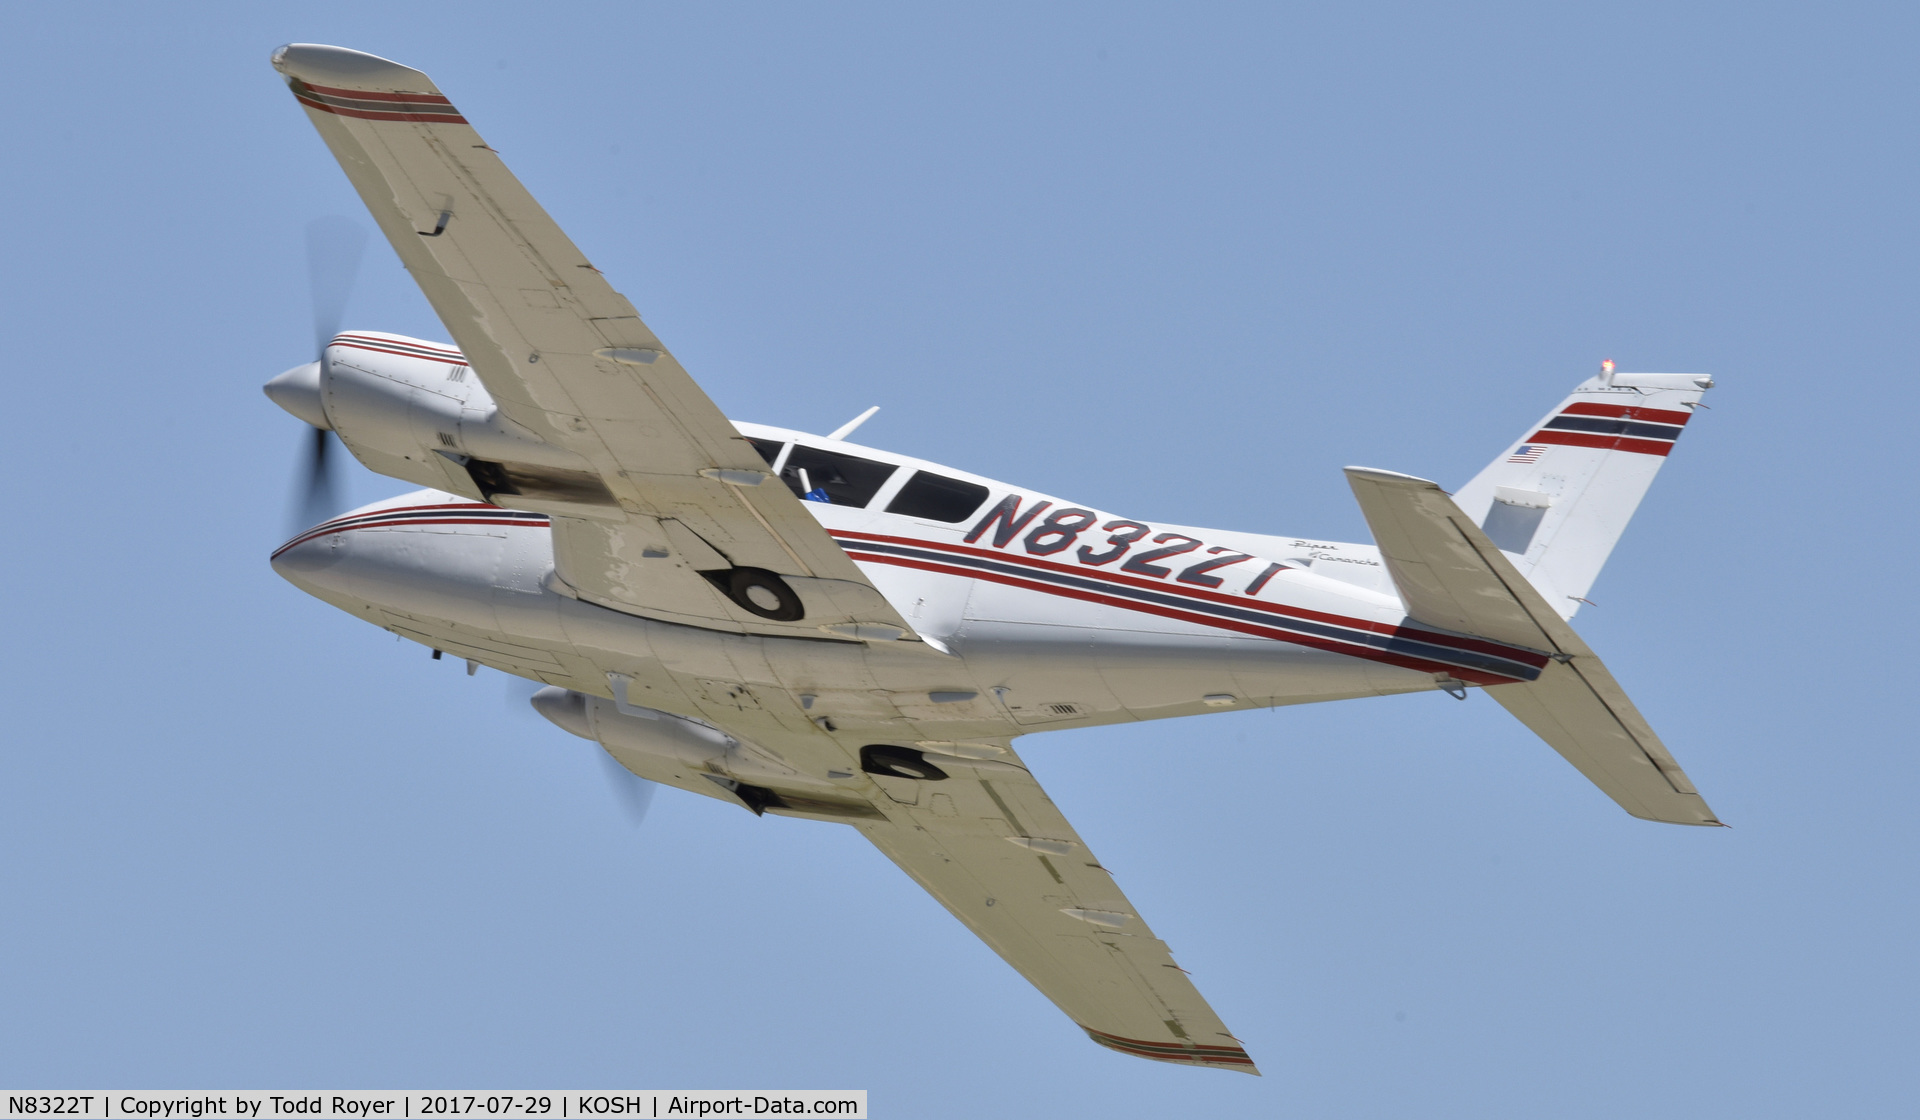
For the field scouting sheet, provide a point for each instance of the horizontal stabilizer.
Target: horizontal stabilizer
(1451, 576)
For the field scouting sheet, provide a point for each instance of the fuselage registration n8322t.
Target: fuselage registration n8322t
(807, 627)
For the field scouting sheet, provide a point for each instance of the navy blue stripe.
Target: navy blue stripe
(1605, 427)
(483, 513)
(1390, 643)
(433, 515)
(398, 516)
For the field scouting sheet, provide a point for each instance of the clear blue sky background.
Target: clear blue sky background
(1181, 261)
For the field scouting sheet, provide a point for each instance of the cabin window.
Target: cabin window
(828, 476)
(937, 498)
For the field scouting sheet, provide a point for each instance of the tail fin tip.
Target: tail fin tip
(1559, 498)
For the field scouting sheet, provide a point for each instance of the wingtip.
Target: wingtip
(1179, 1052)
(320, 64)
(1375, 474)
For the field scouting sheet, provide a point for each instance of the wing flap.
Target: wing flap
(994, 850)
(1451, 576)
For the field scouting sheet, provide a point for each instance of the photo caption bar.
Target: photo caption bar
(373, 1104)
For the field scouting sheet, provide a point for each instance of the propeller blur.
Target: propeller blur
(335, 246)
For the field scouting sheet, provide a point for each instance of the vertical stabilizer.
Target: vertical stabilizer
(1557, 500)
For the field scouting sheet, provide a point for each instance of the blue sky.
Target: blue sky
(1179, 261)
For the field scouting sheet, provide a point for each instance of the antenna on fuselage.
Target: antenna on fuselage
(846, 429)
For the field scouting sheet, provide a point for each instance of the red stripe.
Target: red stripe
(401, 342)
(1603, 442)
(416, 509)
(1174, 1049)
(1653, 415)
(1226, 1053)
(376, 95)
(1171, 1051)
(1455, 641)
(355, 519)
(1185, 1057)
(419, 521)
(391, 510)
(403, 353)
(1258, 630)
(365, 521)
(370, 115)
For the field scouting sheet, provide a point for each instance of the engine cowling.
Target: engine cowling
(415, 411)
(648, 739)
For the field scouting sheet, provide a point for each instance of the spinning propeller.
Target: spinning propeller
(634, 793)
(334, 248)
(631, 792)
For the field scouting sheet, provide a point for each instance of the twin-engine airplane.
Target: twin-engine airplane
(812, 628)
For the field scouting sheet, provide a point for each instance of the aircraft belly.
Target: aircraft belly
(1030, 660)
(932, 603)
(1172, 676)
(485, 647)
(997, 602)
(1108, 663)
(1040, 674)
(442, 574)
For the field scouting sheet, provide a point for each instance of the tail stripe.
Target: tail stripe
(1657, 415)
(1560, 498)
(1613, 427)
(1604, 443)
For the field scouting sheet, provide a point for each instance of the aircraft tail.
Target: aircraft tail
(1558, 499)
(1451, 576)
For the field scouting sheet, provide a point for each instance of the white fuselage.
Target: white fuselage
(1052, 615)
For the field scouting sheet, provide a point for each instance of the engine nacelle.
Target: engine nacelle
(643, 737)
(415, 411)
(687, 742)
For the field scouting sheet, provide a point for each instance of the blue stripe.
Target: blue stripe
(1605, 427)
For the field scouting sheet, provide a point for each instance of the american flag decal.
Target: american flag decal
(1528, 453)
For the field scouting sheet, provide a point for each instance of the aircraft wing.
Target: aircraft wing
(993, 848)
(665, 487)
(977, 832)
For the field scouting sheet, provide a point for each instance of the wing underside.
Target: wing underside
(629, 455)
(993, 848)
(983, 838)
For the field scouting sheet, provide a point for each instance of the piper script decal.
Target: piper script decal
(1133, 545)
